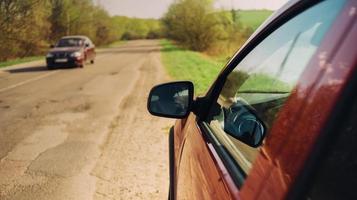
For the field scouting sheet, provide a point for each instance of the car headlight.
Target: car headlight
(76, 54)
(49, 55)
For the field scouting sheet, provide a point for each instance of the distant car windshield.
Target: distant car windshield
(70, 42)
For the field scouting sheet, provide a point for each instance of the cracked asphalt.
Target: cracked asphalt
(84, 133)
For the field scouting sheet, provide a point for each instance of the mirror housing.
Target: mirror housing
(171, 100)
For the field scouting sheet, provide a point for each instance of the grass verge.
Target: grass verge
(182, 64)
(20, 60)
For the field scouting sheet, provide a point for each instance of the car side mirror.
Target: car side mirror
(172, 100)
(242, 123)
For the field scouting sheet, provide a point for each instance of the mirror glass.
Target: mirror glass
(242, 123)
(171, 99)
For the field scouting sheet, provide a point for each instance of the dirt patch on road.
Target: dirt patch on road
(139, 140)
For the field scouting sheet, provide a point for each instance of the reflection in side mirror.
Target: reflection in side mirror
(242, 123)
(171, 100)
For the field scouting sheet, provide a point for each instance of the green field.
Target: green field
(20, 60)
(253, 18)
(184, 64)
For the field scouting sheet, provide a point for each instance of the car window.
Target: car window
(336, 178)
(70, 42)
(258, 87)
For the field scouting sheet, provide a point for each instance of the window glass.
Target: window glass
(258, 87)
(70, 42)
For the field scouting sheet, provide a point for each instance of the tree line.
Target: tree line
(29, 27)
(135, 28)
(196, 25)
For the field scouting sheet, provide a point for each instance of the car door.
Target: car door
(334, 171)
(90, 51)
(219, 155)
(93, 49)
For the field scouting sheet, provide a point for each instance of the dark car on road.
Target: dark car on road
(71, 51)
(280, 120)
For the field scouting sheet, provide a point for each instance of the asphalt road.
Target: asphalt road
(84, 133)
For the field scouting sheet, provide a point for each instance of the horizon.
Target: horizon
(218, 10)
(157, 8)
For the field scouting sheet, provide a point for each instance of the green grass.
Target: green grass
(184, 64)
(20, 60)
(253, 18)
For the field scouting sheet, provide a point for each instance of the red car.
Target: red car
(71, 51)
(280, 120)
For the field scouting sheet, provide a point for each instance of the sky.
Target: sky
(157, 8)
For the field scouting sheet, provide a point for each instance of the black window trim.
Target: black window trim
(208, 101)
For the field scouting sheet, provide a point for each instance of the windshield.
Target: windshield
(70, 42)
